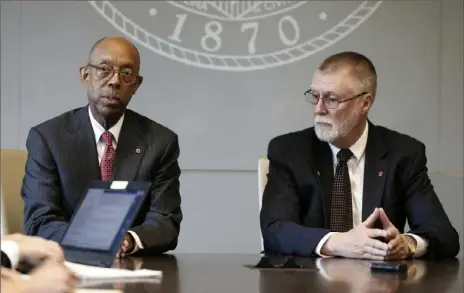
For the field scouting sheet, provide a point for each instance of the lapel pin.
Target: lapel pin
(380, 173)
(137, 151)
(318, 173)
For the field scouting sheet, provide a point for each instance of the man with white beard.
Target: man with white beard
(346, 187)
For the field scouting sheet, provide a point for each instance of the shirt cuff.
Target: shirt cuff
(138, 243)
(421, 247)
(321, 243)
(11, 249)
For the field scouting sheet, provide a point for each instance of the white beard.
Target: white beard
(336, 130)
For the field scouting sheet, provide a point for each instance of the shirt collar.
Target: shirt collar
(98, 129)
(357, 148)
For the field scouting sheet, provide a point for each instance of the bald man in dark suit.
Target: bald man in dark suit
(104, 141)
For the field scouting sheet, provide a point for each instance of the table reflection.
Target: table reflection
(348, 275)
(191, 273)
(358, 277)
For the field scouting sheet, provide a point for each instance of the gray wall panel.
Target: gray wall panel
(225, 118)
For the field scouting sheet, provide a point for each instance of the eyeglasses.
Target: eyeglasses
(128, 76)
(330, 101)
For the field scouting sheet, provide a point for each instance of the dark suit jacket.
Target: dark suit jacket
(62, 161)
(296, 200)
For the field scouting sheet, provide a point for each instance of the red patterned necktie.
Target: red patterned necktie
(341, 211)
(106, 165)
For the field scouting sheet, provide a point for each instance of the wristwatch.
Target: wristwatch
(412, 245)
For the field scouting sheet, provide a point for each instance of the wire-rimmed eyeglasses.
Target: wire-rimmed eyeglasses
(330, 101)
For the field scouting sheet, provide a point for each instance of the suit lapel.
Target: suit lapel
(130, 149)
(375, 172)
(83, 146)
(324, 170)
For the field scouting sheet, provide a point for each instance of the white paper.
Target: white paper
(93, 276)
(84, 283)
(97, 291)
(99, 273)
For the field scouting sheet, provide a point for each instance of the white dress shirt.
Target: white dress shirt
(356, 172)
(115, 130)
(11, 249)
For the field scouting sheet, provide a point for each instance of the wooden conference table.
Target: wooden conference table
(234, 273)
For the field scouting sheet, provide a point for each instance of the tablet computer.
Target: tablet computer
(104, 216)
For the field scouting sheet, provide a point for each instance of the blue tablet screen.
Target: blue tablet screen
(99, 219)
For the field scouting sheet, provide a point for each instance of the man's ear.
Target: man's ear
(139, 82)
(367, 103)
(84, 74)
